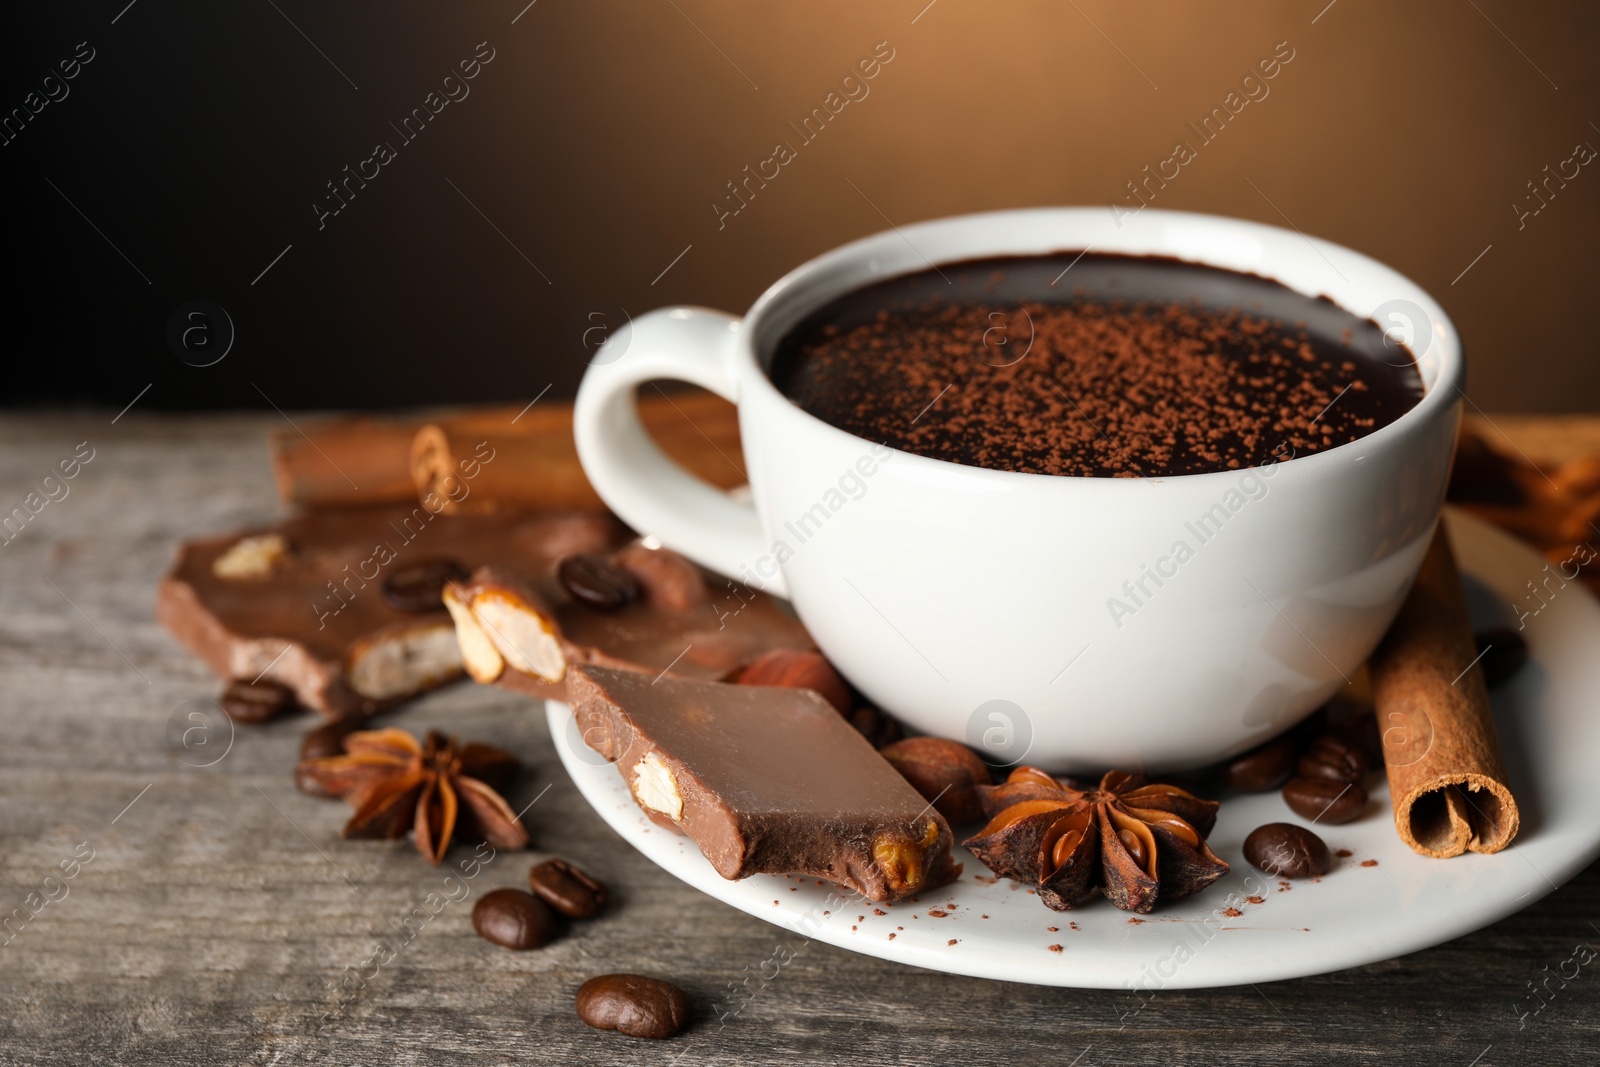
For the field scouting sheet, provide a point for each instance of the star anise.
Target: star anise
(396, 783)
(1131, 841)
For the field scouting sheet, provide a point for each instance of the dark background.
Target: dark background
(588, 154)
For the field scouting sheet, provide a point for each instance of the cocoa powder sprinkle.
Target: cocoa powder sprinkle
(1089, 385)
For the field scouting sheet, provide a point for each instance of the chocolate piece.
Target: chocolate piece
(764, 780)
(303, 605)
(1138, 366)
(633, 1004)
(523, 635)
(1287, 850)
(569, 889)
(514, 919)
(253, 703)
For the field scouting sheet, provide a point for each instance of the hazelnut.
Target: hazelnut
(946, 773)
(794, 668)
(900, 859)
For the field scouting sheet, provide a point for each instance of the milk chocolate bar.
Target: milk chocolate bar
(764, 780)
(522, 630)
(304, 603)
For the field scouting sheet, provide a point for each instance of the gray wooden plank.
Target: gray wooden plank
(220, 912)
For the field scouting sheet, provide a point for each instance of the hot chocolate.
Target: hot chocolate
(1095, 365)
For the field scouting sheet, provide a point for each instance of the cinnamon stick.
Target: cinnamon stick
(535, 463)
(348, 461)
(364, 459)
(1447, 778)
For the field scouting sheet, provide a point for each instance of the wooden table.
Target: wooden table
(220, 913)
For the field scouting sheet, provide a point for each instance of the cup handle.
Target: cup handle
(635, 478)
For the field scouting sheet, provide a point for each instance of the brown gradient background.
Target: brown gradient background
(602, 132)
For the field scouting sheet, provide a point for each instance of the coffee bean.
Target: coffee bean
(597, 582)
(1333, 756)
(1504, 653)
(253, 703)
(570, 890)
(633, 1004)
(1287, 851)
(326, 740)
(513, 919)
(1325, 799)
(1263, 768)
(1362, 731)
(420, 587)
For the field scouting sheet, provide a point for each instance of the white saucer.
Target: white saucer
(1354, 915)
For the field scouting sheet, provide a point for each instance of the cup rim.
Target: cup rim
(1440, 395)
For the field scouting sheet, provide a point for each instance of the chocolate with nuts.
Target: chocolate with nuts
(764, 780)
(334, 605)
(522, 632)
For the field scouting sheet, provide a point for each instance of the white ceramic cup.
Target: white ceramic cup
(981, 604)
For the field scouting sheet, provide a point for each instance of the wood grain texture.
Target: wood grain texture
(221, 912)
